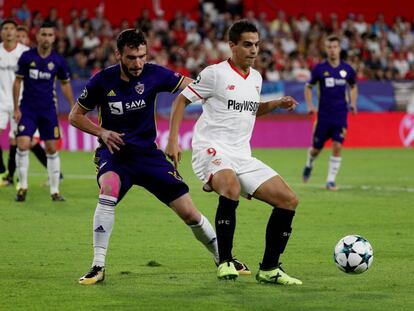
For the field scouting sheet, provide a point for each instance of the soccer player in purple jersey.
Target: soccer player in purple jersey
(124, 95)
(38, 68)
(333, 77)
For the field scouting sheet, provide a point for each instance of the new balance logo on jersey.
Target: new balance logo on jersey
(244, 106)
(100, 229)
(111, 93)
(230, 87)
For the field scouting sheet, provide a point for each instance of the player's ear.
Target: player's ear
(117, 55)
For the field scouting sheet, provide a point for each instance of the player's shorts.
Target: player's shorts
(325, 130)
(45, 121)
(146, 168)
(7, 117)
(250, 171)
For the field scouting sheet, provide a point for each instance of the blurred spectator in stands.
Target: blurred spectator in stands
(98, 20)
(159, 24)
(75, 33)
(279, 26)
(78, 66)
(52, 17)
(361, 25)
(235, 7)
(90, 41)
(303, 25)
(193, 36)
(23, 35)
(23, 14)
(144, 21)
(401, 64)
(84, 16)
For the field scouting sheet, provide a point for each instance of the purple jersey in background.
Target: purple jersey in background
(129, 107)
(39, 76)
(332, 84)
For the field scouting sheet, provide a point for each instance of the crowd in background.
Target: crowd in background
(290, 45)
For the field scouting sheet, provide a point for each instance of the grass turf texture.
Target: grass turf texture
(154, 263)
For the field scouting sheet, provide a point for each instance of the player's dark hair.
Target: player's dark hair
(22, 28)
(332, 38)
(132, 38)
(8, 21)
(47, 25)
(240, 27)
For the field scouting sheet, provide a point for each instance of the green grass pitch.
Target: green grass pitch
(45, 247)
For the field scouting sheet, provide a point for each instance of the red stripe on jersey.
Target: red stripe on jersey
(244, 76)
(195, 92)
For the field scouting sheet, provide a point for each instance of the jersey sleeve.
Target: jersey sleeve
(170, 80)
(314, 76)
(63, 73)
(90, 95)
(352, 76)
(22, 66)
(203, 87)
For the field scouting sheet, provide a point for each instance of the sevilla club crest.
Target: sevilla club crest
(407, 130)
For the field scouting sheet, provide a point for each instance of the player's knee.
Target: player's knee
(231, 192)
(291, 201)
(110, 185)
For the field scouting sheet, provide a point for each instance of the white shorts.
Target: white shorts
(250, 171)
(6, 117)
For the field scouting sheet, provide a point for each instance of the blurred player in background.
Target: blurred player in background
(230, 93)
(38, 69)
(124, 94)
(10, 52)
(333, 77)
(22, 37)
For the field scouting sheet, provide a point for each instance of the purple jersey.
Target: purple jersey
(332, 84)
(39, 75)
(129, 107)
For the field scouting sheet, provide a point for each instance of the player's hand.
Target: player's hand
(173, 152)
(354, 110)
(288, 103)
(17, 115)
(112, 140)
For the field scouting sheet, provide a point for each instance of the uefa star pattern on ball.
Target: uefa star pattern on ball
(353, 254)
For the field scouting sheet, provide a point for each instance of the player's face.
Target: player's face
(132, 60)
(8, 32)
(332, 49)
(46, 38)
(23, 37)
(245, 51)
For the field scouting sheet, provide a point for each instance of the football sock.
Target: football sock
(22, 165)
(2, 167)
(11, 164)
(310, 158)
(277, 235)
(53, 171)
(103, 221)
(204, 232)
(225, 225)
(334, 165)
(40, 154)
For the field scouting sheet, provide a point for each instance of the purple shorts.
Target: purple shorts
(325, 130)
(45, 121)
(146, 168)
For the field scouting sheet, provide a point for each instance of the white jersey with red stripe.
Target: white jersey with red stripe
(230, 102)
(8, 67)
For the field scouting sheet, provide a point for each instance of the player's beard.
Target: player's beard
(127, 72)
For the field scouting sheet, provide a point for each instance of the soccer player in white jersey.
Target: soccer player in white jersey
(10, 51)
(230, 93)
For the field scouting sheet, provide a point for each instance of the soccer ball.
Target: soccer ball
(353, 254)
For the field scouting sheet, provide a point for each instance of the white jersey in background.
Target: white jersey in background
(8, 67)
(230, 102)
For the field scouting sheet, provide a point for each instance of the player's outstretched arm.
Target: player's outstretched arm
(308, 98)
(354, 97)
(285, 102)
(173, 151)
(78, 119)
(16, 95)
(67, 91)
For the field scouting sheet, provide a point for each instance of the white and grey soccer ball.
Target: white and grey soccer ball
(353, 254)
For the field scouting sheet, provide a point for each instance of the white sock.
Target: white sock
(204, 232)
(310, 159)
(22, 166)
(53, 171)
(103, 221)
(334, 165)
